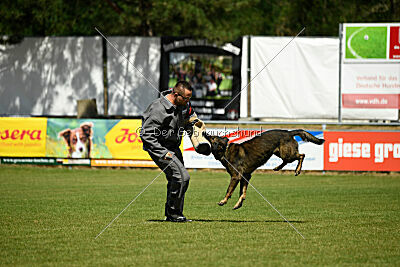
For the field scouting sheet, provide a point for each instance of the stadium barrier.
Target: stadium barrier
(117, 143)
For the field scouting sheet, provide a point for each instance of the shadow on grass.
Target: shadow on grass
(235, 221)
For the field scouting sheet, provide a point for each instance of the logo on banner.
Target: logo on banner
(365, 151)
(23, 136)
(123, 141)
(394, 43)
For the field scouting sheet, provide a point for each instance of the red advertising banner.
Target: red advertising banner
(362, 151)
(394, 43)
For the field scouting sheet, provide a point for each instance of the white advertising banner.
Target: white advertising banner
(133, 77)
(370, 91)
(313, 161)
(299, 82)
(370, 71)
(46, 76)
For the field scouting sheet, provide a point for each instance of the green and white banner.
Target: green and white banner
(371, 42)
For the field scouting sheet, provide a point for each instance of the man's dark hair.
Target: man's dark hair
(181, 85)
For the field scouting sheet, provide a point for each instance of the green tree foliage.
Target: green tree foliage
(220, 21)
(321, 17)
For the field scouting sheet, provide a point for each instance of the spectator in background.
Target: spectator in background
(212, 88)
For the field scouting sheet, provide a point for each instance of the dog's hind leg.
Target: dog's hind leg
(283, 164)
(300, 164)
(241, 187)
(234, 182)
(243, 190)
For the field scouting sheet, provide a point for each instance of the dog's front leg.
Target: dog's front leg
(278, 168)
(234, 182)
(243, 190)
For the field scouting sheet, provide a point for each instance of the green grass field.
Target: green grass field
(373, 47)
(51, 216)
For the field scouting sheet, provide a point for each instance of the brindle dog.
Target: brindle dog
(242, 159)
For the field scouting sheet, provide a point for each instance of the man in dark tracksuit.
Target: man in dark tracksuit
(163, 124)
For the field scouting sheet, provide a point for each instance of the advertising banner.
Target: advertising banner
(122, 163)
(394, 42)
(99, 142)
(23, 137)
(123, 141)
(78, 138)
(313, 160)
(95, 138)
(36, 161)
(371, 91)
(362, 151)
(370, 71)
(76, 162)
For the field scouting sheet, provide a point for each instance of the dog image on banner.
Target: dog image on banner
(78, 140)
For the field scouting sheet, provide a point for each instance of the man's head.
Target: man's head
(182, 92)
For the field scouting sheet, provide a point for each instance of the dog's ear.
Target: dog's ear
(66, 134)
(87, 128)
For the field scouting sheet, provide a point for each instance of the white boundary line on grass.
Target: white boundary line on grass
(266, 200)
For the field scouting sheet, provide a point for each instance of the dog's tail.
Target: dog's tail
(307, 137)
